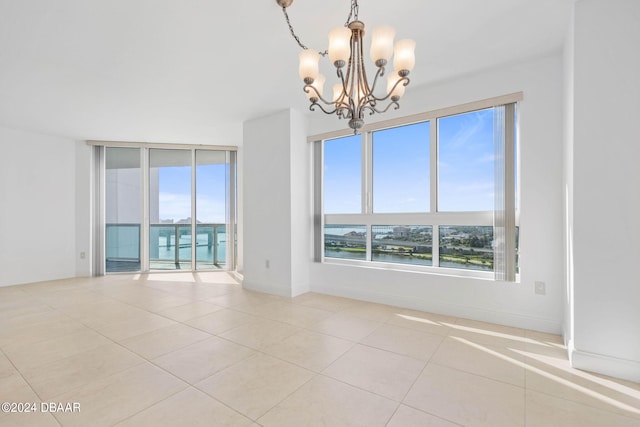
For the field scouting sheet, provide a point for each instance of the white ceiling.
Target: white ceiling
(193, 70)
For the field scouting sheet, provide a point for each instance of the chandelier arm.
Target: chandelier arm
(315, 104)
(379, 73)
(375, 110)
(317, 95)
(341, 105)
(366, 91)
(349, 87)
(404, 80)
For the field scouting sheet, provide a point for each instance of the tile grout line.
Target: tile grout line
(26, 382)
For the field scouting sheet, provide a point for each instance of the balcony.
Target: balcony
(169, 247)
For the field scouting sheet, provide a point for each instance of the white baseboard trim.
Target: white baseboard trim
(604, 364)
(281, 290)
(456, 310)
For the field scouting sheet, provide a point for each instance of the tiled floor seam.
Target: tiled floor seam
(416, 380)
(21, 375)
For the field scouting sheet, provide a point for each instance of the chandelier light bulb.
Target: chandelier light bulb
(339, 46)
(382, 45)
(404, 58)
(308, 69)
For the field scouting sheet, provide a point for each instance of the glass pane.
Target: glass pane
(466, 247)
(401, 169)
(122, 209)
(169, 209)
(343, 175)
(402, 244)
(212, 170)
(466, 162)
(345, 241)
(164, 255)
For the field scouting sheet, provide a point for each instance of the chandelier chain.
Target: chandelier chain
(353, 13)
(353, 16)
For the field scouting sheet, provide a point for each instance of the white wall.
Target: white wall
(569, 56)
(606, 179)
(84, 181)
(276, 218)
(541, 220)
(37, 207)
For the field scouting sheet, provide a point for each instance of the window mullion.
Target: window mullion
(193, 212)
(433, 166)
(144, 167)
(433, 192)
(367, 184)
(367, 174)
(318, 210)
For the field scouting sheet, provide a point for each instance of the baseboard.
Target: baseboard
(604, 364)
(238, 277)
(456, 310)
(281, 290)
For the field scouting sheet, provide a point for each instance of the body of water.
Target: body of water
(400, 259)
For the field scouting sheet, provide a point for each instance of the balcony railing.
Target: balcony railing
(169, 246)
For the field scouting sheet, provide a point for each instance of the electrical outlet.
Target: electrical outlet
(267, 263)
(83, 255)
(540, 288)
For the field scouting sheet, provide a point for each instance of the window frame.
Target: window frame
(433, 218)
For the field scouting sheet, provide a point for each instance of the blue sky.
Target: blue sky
(401, 167)
(175, 193)
(401, 177)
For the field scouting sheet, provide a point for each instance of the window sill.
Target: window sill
(419, 269)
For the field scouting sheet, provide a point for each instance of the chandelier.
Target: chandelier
(353, 96)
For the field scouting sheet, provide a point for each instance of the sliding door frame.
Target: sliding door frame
(99, 203)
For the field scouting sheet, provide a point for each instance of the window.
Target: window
(466, 157)
(435, 193)
(401, 169)
(169, 209)
(342, 175)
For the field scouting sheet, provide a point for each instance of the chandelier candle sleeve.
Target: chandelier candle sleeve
(339, 46)
(308, 69)
(404, 57)
(382, 44)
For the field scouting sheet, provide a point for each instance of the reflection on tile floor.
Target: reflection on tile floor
(175, 349)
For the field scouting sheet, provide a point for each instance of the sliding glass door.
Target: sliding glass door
(169, 209)
(166, 209)
(212, 183)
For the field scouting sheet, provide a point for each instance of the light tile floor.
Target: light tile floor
(178, 349)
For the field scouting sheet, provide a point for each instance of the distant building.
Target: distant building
(401, 232)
